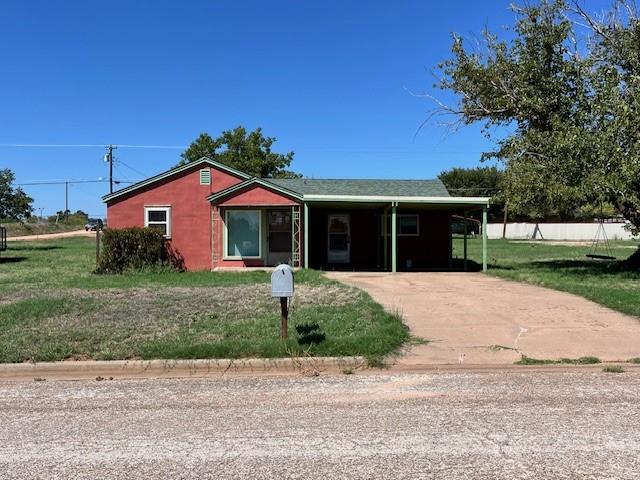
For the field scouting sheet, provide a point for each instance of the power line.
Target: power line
(144, 175)
(63, 182)
(302, 149)
(82, 145)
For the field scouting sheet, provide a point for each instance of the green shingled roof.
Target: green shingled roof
(394, 188)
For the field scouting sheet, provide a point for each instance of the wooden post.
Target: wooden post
(504, 221)
(284, 327)
(97, 245)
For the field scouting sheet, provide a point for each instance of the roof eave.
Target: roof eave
(399, 199)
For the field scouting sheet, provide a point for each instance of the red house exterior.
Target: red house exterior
(216, 217)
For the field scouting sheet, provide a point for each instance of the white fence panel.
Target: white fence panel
(558, 231)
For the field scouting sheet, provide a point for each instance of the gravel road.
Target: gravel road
(581, 425)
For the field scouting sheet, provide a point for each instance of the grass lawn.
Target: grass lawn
(563, 267)
(53, 308)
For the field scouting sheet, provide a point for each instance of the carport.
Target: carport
(386, 233)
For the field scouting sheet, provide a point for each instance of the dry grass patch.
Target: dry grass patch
(189, 322)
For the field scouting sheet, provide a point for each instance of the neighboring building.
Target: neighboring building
(216, 217)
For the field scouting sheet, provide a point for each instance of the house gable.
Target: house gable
(225, 175)
(255, 192)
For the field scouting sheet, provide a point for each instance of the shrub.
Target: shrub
(613, 369)
(135, 249)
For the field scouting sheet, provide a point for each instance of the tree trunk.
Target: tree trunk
(633, 262)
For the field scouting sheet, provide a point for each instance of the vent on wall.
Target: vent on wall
(205, 176)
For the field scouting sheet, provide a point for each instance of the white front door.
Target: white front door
(339, 238)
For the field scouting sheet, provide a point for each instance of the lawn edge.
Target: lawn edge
(107, 369)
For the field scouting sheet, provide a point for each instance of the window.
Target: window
(279, 231)
(243, 233)
(408, 225)
(205, 176)
(159, 218)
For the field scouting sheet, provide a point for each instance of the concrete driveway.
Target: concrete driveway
(477, 319)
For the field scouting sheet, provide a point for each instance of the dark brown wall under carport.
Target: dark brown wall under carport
(428, 250)
(431, 248)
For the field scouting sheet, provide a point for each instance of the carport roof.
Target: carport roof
(362, 187)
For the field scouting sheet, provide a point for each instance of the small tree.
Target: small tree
(249, 152)
(14, 203)
(476, 182)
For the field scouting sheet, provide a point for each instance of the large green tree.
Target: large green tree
(249, 152)
(561, 98)
(14, 203)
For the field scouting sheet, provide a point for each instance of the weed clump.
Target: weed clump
(613, 369)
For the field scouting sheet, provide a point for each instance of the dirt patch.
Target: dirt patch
(52, 236)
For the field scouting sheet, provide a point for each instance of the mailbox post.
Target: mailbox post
(282, 287)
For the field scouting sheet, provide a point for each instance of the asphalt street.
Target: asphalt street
(583, 425)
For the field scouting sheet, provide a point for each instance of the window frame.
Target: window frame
(399, 233)
(225, 245)
(158, 208)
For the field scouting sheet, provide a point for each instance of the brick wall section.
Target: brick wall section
(254, 196)
(257, 196)
(190, 211)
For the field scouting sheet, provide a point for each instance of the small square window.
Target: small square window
(408, 225)
(158, 218)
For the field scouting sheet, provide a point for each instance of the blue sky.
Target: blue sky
(332, 80)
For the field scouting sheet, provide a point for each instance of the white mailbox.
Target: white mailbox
(282, 281)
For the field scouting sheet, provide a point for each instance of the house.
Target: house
(217, 217)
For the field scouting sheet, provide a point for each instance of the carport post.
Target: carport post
(394, 240)
(484, 238)
(385, 237)
(306, 235)
(464, 229)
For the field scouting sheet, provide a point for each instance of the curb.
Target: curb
(99, 369)
(509, 368)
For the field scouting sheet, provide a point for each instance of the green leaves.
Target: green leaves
(572, 102)
(14, 203)
(249, 152)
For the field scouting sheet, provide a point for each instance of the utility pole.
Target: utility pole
(66, 199)
(109, 159)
